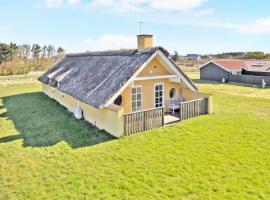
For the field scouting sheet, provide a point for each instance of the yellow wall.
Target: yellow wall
(144, 41)
(148, 88)
(151, 70)
(190, 95)
(148, 93)
(105, 119)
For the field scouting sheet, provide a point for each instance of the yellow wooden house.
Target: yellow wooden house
(125, 91)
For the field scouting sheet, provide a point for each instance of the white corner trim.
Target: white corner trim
(155, 77)
(168, 62)
(175, 80)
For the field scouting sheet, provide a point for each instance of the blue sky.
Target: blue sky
(188, 26)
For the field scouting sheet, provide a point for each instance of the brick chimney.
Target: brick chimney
(144, 41)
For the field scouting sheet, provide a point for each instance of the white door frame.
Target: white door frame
(163, 89)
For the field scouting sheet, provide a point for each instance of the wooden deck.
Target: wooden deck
(170, 118)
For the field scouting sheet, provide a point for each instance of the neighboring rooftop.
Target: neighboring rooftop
(249, 65)
(193, 56)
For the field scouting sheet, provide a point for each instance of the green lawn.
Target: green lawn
(46, 154)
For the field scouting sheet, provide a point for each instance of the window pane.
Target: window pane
(139, 90)
(133, 91)
(139, 97)
(133, 97)
(139, 103)
(133, 104)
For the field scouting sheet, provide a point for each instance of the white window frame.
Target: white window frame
(136, 108)
(163, 93)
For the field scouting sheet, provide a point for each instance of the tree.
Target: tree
(51, 51)
(14, 49)
(44, 51)
(175, 56)
(23, 51)
(36, 49)
(60, 52)
(7, 52)
(256, 55)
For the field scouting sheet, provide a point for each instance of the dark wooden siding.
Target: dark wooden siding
(213, 72)
(250, 79)
(256, 73)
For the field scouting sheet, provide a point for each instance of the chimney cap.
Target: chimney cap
(150, 35)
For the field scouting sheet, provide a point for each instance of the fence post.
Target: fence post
(210, 104)
(180, 111)
(162, 116)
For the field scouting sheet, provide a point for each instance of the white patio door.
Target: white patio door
(159, 95)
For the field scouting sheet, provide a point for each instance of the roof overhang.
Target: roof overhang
(185, 80)
(224, 68)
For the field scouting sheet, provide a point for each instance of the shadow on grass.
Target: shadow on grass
(206, 82)
(42, 122)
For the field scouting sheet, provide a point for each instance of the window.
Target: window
(118, 100)
(172, 93)
(158, 95)
(136, 98)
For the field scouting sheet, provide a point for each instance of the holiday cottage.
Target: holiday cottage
(125, 91)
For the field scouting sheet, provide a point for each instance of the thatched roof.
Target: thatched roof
(95, 77)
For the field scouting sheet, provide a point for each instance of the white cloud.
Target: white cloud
(72, 2)
(53, 3)
(176, 4)
(259, 26)
(141, 5)
(59, 3)
(111, 42)
(205, 12)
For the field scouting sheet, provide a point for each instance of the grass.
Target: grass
(46, 154)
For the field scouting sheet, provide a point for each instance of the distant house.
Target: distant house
(194, 57)
(122, 91)
(253, 71)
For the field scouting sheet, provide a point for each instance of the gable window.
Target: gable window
(159, 94)
(136, 98)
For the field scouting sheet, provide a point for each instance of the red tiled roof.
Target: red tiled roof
(249, 65)
(258, 66)
(231, 65)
